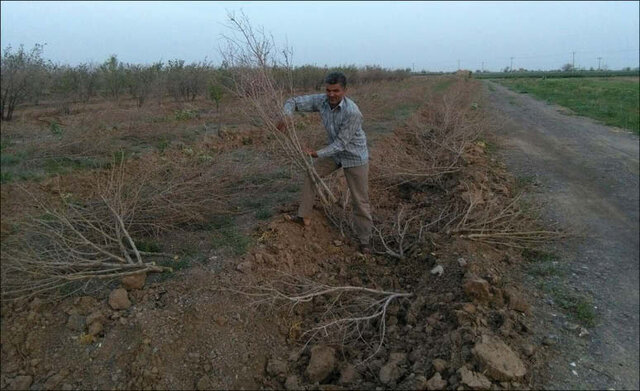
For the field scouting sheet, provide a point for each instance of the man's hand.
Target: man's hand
(310, 152)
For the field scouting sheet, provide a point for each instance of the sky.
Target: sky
(432, 36)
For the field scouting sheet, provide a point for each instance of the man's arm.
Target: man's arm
(348, 129)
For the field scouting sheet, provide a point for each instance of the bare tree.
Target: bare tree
(142, 80)
(113, 76)
(21, 77)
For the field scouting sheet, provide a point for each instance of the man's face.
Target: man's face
(335, 92)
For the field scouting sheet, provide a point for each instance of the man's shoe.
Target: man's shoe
(298, 220)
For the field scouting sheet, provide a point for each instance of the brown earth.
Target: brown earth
(197, 330)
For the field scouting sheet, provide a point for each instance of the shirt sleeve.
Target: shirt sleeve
(306, 103)
(348, 129)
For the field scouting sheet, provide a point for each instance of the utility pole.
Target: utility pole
(483, 66)
(599, 58)
(511, 66)
(413, 67)
(573, 61)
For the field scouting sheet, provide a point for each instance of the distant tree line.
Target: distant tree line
(27, 77)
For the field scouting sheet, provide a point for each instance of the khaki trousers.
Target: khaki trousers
(358, 182)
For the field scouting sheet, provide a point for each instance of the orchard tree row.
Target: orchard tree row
(29, 78)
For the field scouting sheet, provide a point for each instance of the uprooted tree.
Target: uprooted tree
(260, 76)
(70, 241)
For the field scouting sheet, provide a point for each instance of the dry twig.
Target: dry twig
(349, 314)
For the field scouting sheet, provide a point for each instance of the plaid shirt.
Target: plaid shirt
(347, 141)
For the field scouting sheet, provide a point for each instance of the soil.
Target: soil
(587, 174)
(471, 325)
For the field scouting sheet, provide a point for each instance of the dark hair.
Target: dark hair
(335, 78)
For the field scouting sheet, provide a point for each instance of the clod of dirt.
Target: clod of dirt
(276, 367)
(76, 322)
(96, 316)
(53, 382)
(134, 281)
(478, 289)
(20, 383)
(462, 262)
(474, 380)
(516, 301)
(499, 362)
(220, 320)
(292, 383)
(119, 299)
(36, 304)
(348, 375)
(85, 305)
(392, 371)
(529, 350)
(469, 308)
(95, 328)
(204, 383)
(321, 364)
(440, 365)
(439, 270)
(244, 267)
(415, 355)
(550, 340)
(436, 382)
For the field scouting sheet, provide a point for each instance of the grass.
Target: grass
(443, 85)
(614, 102)
(404, 111)
(578, 306)
(226, 235)
(21, 166)
(553, 74)
(524, 183)
(545, 265)
(185, 114)
(148, 245)
(230, 238)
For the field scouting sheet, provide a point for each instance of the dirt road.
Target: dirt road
(588, 176)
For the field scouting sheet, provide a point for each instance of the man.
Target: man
(347, 149)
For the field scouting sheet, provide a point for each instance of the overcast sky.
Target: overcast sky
(425, 35)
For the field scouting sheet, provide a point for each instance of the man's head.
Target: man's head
(336, 83)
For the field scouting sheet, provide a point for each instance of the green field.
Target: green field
(614, 101)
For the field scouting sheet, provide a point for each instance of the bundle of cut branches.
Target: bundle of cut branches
(433, 142)
(253, 63)
(498, 220)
